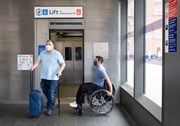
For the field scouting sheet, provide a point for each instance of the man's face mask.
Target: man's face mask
(95, 62)
(49, 47)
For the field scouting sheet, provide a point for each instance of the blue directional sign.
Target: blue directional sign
(41, 48)
(173, 35)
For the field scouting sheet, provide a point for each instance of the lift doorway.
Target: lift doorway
(70, 44)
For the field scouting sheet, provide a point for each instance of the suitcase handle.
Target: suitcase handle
(31, 81)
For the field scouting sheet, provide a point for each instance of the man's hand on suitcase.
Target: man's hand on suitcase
(32, 68)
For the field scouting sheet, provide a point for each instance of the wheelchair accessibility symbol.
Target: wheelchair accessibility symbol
(45, 11)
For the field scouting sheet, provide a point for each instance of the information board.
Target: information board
(58, 12)
(101, 49)
(171, 14)
(24, 61)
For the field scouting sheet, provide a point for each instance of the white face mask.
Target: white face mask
(49, 48)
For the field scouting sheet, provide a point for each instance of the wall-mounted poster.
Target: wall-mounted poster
(101, 49)
(171, 15)
(24, 61)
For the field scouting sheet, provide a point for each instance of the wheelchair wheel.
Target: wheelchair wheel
(100, 103)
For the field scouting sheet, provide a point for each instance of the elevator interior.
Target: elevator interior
(70, 44)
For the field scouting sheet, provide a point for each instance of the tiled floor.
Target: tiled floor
(17, 115)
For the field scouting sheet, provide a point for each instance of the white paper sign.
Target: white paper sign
(101, 49)
(24, 62)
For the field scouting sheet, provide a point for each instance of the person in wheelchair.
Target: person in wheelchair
(99, 78)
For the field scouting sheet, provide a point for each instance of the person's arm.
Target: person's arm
(108, 82)
(61, 69)
(37, 62)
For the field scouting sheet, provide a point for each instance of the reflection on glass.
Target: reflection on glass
(130, 44)
(153, 51)
(78, 53)
(68, 53)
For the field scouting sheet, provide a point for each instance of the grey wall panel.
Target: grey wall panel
(101, 25)
(123, 49)
(171, 82)
(101, 20)
(113, 71)
(59, 2)
(16, 37)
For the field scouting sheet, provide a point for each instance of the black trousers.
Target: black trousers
(85, 88)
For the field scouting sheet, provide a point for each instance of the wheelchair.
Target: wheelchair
(100, 103)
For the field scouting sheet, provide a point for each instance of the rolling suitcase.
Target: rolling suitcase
(35, 100)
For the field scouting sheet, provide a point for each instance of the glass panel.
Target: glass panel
(153, 54)
(78, 53)
(130, 44)
(68, 53)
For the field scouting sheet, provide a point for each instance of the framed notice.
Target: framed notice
(101, 49)
(24, 61)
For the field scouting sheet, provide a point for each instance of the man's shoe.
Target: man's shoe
(73, 104)
(49, 112)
